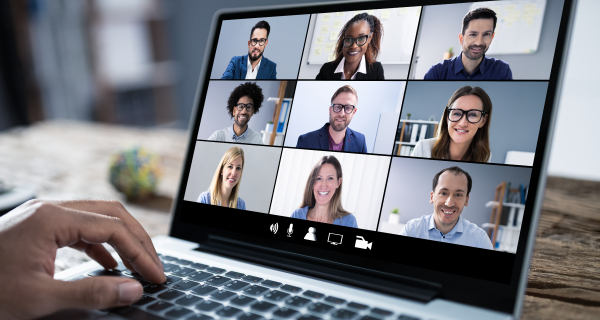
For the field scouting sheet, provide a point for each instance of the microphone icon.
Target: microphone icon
(290, 230)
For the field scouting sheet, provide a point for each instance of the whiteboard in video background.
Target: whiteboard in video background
(399, 32)
(519, 25)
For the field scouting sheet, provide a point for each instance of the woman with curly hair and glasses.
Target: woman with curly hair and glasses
(356, 51)
(464, 131)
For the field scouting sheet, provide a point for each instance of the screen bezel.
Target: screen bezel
(456, 287)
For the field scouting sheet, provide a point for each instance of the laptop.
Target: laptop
(410, 191)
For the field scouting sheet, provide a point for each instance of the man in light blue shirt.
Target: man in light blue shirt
(451, 188)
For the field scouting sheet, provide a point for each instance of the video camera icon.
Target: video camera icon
(361, 243)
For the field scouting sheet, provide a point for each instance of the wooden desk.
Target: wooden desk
(70, 160)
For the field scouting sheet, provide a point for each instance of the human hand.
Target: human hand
(30, 236)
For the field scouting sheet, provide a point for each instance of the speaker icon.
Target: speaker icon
(274, 227)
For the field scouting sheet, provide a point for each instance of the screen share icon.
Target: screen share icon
(335, 239)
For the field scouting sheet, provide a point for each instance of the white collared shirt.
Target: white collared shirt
(362, 68)
(252, 74)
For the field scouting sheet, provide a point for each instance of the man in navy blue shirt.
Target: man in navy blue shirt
(253, 65)
(472, 64)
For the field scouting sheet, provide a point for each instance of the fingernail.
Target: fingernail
(129, 292)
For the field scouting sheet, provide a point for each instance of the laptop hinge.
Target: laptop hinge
(382, 282)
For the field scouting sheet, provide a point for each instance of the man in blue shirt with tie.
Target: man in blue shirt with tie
(472, 64)
(451, 188)
(253, 65)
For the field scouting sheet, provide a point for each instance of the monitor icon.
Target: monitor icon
(361, 243)
(335, 239)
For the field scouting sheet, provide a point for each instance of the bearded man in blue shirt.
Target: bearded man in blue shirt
(472, 64)
(451, 188)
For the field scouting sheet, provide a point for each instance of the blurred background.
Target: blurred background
(136, 63)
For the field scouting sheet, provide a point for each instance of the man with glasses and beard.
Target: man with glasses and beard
(245, 100)
(336, 135)
(472, 64)
(253, 65)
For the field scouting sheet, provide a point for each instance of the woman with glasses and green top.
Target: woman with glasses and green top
(356, 51)
(464, 130)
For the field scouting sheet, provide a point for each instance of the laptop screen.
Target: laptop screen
(399, 138)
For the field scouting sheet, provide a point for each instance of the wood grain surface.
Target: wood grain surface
(65, 160)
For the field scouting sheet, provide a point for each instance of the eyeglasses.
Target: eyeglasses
(260, 42)
(473, 116)
(248, 106)
(348, 108)
(359, 41)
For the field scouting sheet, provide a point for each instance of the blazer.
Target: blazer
(238, 66)
(319, 139)
(374, 72)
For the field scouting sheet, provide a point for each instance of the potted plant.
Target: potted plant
(408, 116)
(449, 54)
(394, 217)
(269, 128)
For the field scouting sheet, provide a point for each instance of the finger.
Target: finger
(97, 252)
(114, 209)
(70, 226)
(128, 265)
(94, 292)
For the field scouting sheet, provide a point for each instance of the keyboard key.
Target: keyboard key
(256, 291)
(171, 280)
(270, 284)
(215, 270)
(167, 267)
(171, 294)
(229, 312)
(242, 301)
(208, 306)
(406, 317)
(252, 279)
(381, 312)
(369, 318)
(144, 282)
(217, 281)
(188, 300)
(335, 300)
(235, 275)
(154, 288)
(204, 290)
(135, 314)
(357, 306)
(298, 302)
(263, 307)
(160, 306)
(198, 266)
(182, 272)
(237, 285)
(200, 276)
(144, 300)
(249, 316)
(343, 314)
(223, 295)
(312, 294)
(185, 285)
(178, 313)
(184, 262)
(320, 308)
(276, 296)
(285, 313)
(291, 289)
(199, 316)
(167, 258)
(309, 317)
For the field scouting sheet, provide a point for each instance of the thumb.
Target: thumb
(96, 292)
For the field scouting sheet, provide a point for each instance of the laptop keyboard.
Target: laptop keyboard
(199, 291)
